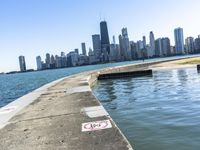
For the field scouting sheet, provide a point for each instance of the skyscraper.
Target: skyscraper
(62, 54)
(139, 49)
(96, 46)
(125, 45)
(158, 47)
(197, 45)
(22, 63)
(105, 43)
(179, 40)
(152, 44)
(39, 63)
(166, 51)
(76, 50)
(189, 45)
(83, 48)
(114, 42)
(48, 61)
(144, 41)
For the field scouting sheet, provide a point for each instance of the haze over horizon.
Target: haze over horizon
(37, 27)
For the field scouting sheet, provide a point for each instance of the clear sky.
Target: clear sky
(35, 27)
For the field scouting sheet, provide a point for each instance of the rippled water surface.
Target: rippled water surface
(161, 112)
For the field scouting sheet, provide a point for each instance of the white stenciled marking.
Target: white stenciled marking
(96, 125)
(83, 81)
(78, 89)
(96, 111)
(6, 110)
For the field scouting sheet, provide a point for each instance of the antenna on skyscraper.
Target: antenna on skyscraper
(100, 16)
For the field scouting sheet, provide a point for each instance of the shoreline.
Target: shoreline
(177, 64)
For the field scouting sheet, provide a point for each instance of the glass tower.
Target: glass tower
(179, 40)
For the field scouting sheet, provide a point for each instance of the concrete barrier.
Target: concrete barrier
(117, 75)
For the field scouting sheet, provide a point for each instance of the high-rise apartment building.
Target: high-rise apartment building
(189, 45)
(179, 40)
(105, 43)
(48, 61)
(22, 63)
(152, 44)
(158, 47)
(83, 49)
(39, 63)
(144, 41)
(96, 46)
(197, 45)
(166, 50)
(125, 45)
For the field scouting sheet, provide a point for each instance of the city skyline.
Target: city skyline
(105, 51)
(25, 33)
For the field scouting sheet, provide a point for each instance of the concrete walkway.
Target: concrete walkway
(58, 119)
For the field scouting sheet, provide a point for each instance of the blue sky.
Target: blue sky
(35, 27)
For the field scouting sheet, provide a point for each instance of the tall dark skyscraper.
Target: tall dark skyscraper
(22, 63)
(152, 44)
(83, 48)
(105, 43)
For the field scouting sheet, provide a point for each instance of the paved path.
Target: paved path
(55, 120)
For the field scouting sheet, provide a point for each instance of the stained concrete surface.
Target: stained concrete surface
(53, 121)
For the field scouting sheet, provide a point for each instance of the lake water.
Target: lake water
(14, 86)
(161, 112)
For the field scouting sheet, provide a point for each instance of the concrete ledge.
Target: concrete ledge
(117, 75)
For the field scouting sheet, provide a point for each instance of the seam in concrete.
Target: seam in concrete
(39, 118)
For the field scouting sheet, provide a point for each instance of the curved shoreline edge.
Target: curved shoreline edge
(66, 103)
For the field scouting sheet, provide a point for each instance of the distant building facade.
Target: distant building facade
(39, 63)
(96, 41)
(189, 45)
(83, 46)
(179, 40)
(125, 45)
(22, 63)
(152, 44)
